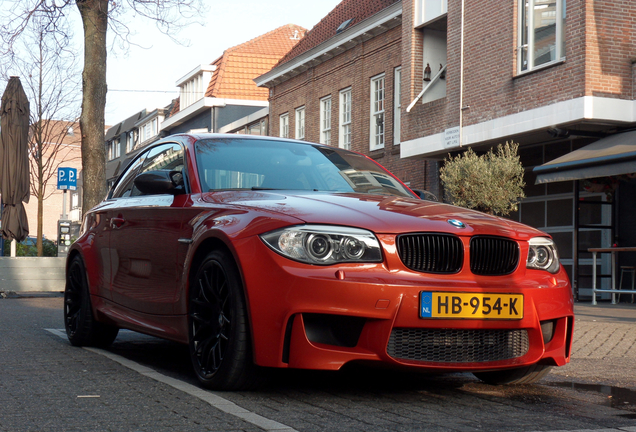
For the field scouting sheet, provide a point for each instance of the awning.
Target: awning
(609, 156)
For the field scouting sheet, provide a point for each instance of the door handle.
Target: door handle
(116, 222)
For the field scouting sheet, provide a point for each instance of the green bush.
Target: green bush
(492, 183)
(29, 249)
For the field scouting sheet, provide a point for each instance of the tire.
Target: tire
(524, 375)
(81, 327)
(219, 337)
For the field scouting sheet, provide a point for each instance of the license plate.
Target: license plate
(471, 305)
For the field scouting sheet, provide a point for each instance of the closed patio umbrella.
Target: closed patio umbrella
(14, 160)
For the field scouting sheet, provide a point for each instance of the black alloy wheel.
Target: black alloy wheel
(81, 327)
(220, 347)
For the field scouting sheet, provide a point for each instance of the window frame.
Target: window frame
(377, 137)
(397, 105)
(283, 128)
(325, 120)
(525, 36)
(344, 117)
(299, 123)
(130, 141)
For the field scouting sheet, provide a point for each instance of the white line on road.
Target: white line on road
(212, 398)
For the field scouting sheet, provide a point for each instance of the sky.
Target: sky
(144, 76)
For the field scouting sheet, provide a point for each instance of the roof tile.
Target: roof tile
(358, 10)
(239, 65)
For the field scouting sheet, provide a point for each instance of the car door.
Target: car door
(145, 229)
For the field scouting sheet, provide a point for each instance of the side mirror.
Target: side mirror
(160, 182)
(425, 195)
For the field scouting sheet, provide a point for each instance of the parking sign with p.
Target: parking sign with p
(67, 178)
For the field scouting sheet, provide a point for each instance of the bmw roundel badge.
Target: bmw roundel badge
(456, 223)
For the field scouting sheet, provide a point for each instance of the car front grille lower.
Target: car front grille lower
(444, 253)
(457, 345)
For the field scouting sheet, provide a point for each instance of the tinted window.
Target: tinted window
(125, 184)
(166, 157)
(265, 164)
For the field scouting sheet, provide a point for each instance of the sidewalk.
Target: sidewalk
(605, 311)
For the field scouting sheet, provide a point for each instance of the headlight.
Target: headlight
(542, 255)
(324, 244)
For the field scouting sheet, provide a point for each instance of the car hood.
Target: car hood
(380, 214)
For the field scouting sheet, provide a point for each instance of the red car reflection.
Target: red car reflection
(260, 251)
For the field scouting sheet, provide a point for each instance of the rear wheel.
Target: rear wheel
(81, 327)
(220, 347)
(524, 375)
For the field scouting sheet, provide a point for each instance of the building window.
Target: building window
(377, 113)
(130, 141)
(541, 28)
(325, 120)
(74, 200)
(345, 119)
(194, 85)
(148, 130)
(114, 150)
(300, 123)
(397, 105)
(284, 126)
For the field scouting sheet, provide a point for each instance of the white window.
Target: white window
(193, 85)
(130, 141)
(377, 113)
(397, 105)
(300, 123)
(148, 130)
(284, 126)
(344, 140)
(325, 120)
(74, 200)
(114, 150)
(541, 27)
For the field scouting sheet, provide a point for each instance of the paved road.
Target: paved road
(145, 384)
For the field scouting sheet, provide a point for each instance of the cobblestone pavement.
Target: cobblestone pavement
(145, 384)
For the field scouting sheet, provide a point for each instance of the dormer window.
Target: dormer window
(344, 26)
(193, 85)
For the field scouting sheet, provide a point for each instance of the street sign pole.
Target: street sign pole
(64, 205)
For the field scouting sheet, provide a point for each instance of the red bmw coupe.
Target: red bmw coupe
(269, 252)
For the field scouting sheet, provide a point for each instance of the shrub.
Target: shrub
(28, 248)
(492, 183)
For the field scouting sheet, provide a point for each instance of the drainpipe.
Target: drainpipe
(461, 80)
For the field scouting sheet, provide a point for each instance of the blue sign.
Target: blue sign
(426, 304)
(67, 178)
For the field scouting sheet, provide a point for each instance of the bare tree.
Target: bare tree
(97, 17)
(48, 67)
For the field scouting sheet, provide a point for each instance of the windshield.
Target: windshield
(235, 163)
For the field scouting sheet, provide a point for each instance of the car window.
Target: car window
(267, 164)
(124, 186)
(166, 157)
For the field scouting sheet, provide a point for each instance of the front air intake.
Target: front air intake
(457, 345)
(493, 256)
(431, 252)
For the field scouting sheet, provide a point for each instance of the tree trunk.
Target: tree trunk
(40, 245)
(95, 20)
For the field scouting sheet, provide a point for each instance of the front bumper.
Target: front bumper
(316, 317)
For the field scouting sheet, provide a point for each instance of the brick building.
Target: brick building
(61, 149)
(408, 82)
